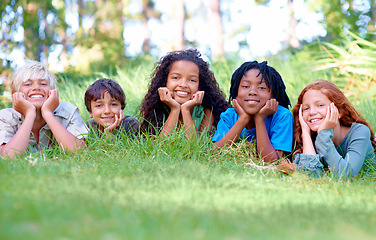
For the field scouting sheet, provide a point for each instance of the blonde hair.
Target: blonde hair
(31, 70)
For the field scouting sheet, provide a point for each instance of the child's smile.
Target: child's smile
(103, 110)
(183, 80)
(314, 107)
(36, 91)
(252, 95)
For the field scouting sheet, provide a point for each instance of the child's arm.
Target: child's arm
(19, 142)
(173, 118)
(265, 148)
(233, 134)
(186, 112)
(64, 138)
(117, 123)
(308, 147)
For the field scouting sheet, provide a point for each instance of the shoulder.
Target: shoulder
(65, 109)
(282, 111)
(359, 129)
(229, 112)
(129, 119)
(282, 114)
(10, 115)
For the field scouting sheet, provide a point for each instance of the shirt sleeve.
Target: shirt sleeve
(76, 125)
(131, 125)
(309, 164)
(351, 164)
(224, 125)
(281, 133)
(8, 125)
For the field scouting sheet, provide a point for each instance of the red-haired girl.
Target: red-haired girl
(330, 133)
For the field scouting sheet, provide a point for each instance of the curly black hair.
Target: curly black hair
(155, 113)
(271, 77)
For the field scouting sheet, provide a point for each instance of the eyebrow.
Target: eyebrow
(192, 75)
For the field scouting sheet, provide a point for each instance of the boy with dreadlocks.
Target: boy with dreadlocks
(260, 112)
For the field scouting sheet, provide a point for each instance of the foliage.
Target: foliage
(353, 64)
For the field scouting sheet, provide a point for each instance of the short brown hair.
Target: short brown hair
(99, 87)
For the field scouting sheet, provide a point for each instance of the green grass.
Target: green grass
(173, 189)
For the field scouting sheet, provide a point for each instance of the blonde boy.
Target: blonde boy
(37, 116)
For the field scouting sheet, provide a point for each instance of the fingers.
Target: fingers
(198, 97)
(164, 93)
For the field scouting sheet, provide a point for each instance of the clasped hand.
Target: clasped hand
(166, 96)
(21, 105)
(269, 108)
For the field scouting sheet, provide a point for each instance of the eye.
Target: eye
(43, 84)
(193, 80)
(114, 104)
(98, 105)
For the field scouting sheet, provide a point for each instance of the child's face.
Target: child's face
(36, 91)
(183, 80)
(252, 95)
(103, 110)
(314, 106)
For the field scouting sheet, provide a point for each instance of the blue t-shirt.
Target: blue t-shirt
(278, 125)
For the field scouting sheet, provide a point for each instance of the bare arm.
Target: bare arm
(173, 118)
(64, 138)
(186, 112)
(265, 148)
(308, 147)
(233, 134)
(19, 142)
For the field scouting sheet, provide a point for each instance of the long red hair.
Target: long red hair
(349, 114)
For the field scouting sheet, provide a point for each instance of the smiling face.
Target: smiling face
(314, 107)
(104, 109)
(183, 80)
(36, 91)
(252, 95)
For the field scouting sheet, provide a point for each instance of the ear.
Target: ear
(90, 115)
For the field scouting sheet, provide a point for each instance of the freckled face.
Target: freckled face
(183, 80)
(36, 91)
(103, 110)
(314, 107)
(252, 95)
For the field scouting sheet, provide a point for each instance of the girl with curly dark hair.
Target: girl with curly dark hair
(182, 92)
(330, 133)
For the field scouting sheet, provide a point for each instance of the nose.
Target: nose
(106, 108)
(36, 85)
(183, 82)
(312, 110)
(252, 91)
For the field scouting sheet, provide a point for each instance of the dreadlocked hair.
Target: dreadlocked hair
(271, 77)
(154, 112)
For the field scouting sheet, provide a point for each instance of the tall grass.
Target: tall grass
(171, 188)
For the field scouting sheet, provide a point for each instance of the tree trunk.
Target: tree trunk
(217, 30)
(145, 19)
(293, 40)
(179, 17)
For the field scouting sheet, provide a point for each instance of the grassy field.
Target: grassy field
(171, 189)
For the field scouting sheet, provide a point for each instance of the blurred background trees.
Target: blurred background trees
(90, 34)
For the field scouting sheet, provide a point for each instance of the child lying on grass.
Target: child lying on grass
(260, 112)
(330, 133)
(105, 102)
(38, 118)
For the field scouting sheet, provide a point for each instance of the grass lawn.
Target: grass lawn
(174, 189)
